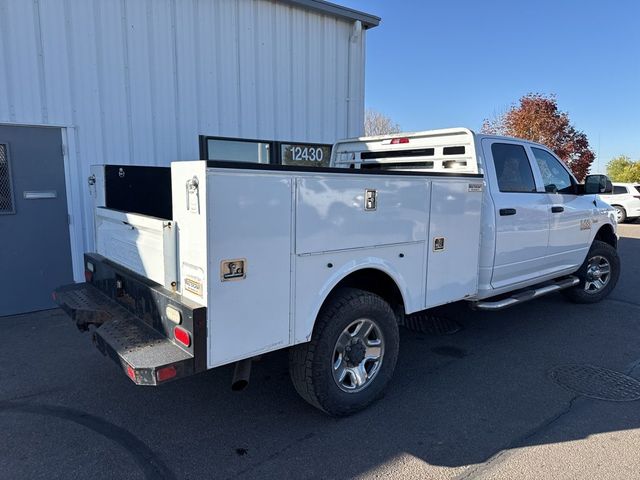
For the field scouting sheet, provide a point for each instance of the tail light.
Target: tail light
(89, 268)
(396, 141)
(182, 336)
(166, 373)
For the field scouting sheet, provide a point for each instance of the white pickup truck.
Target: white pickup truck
(211, 263)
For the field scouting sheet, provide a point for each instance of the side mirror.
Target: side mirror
(597, 185)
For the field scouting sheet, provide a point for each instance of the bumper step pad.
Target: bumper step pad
(86, 305)
(146, 355)
(141, 350)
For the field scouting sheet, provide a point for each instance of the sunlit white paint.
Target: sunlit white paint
(143, 244)
(301, 233)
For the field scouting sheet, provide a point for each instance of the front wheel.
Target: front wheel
(598, 274)
(351, 356)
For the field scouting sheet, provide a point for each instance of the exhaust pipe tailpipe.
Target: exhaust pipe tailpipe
(241, 375)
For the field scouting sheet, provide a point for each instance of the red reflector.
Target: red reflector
(396, 141)
(88, 275)
(182, 336)
(166, 373)
(131, 373)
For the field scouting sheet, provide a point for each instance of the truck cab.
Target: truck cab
(538, 223)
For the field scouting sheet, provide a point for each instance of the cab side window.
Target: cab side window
(555, 176)
(618, 190)
(512, 168)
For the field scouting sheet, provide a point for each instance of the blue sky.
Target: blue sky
(443, 64)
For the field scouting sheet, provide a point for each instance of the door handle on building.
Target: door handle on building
(39, 194)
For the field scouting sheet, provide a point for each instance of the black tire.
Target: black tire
(621, 212)
(579, 294)
(311, 364)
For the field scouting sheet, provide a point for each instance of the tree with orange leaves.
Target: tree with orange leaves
(538, 119)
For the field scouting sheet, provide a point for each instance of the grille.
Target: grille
(6, 192)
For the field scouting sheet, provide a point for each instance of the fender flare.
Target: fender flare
(342, 273)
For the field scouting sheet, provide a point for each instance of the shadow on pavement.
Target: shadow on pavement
(455, 400)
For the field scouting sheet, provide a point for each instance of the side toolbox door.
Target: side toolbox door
(571, 214)
(249, 224)
(521, 211)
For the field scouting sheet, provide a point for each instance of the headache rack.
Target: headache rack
(438, 151)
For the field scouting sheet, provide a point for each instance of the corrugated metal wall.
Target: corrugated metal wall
(136, 81)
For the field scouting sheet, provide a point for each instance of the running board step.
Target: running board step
(525, 296)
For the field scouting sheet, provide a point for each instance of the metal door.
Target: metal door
(570, 225)
(35, 253)
(522, 214)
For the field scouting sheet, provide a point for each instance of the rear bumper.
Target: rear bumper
(146, 356)
(633, 212)
(132, 327)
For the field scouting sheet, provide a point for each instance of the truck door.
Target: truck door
(570, 224)
(521, 211)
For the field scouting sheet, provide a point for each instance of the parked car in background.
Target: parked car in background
(625, 199)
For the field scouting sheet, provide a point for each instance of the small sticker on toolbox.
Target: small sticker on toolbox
(193, 279)
(193, 285)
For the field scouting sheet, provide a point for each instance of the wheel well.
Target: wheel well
(374, 281)
(606, 234)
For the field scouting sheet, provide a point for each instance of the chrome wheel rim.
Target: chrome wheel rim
(598, 274)
(618, 214)
(357, 355)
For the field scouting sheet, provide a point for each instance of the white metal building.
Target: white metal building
(146, 82)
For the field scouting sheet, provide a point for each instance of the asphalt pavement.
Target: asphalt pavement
(483, 403)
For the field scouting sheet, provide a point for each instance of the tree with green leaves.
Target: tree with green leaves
(623, 169)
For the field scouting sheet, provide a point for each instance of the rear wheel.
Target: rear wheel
(598, 274)
(621, 214)
(351, 356)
